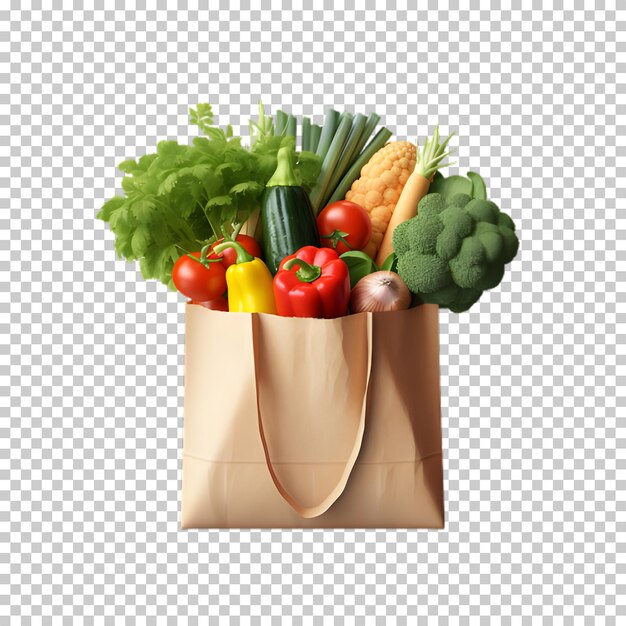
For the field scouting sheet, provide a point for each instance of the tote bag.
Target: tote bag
(312, 423)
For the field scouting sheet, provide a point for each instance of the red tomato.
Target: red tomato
(198, 282)
(229, 255)
(342, 223)
(219, 304)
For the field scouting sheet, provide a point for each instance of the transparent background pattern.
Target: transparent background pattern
(92, 355)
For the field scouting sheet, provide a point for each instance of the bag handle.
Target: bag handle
(323, 506)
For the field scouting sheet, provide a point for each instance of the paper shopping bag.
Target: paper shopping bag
(294, 422)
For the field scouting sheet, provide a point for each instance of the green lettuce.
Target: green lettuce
(184, 196)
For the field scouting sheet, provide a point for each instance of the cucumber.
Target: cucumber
(288, 224)
(287, 217)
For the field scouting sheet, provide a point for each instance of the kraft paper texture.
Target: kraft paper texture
(293, 422)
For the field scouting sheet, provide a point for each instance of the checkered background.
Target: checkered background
(92, 355)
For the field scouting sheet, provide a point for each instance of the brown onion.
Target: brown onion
(380, 291)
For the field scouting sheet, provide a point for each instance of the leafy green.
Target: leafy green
(390, 263)
(359, 265)
(182, 196)
(202, 116)
(450, 186)
(263, 127)
(479, 189)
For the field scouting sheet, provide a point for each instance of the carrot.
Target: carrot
(416, 187)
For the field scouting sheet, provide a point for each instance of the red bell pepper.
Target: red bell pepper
(313, 282)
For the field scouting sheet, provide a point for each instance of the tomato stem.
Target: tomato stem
(237, 230)
(338, 236)
(205, 262)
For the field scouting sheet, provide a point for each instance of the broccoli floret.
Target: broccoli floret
(423, 241)
(483, 211)
(457, 225)
(452, 251)
(505, 221)
(459, 200)
(432, 204)
(425, 273)
(401, 240)
(511, 243)
(470, 264)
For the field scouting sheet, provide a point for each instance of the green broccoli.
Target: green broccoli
(452, 251)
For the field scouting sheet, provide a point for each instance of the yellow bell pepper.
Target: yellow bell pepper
(250, 288)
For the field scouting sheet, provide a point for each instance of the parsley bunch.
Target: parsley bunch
(185, 196)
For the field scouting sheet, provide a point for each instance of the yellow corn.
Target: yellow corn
(379, 187)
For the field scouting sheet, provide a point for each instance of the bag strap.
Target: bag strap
(323, 506)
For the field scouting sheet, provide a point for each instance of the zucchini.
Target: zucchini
(287, 216)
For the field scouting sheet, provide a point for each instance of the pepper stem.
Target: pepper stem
(243, 256)
(307, 273)
(284, 176)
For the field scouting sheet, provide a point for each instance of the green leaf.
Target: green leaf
(248, 187)
(219, 201)
(145, 161)
(479, 189)
(120, 218)
(391, 263)
(145, 183)
(186, 197)
(169, 183)
(309, 166)
(163, 234)
(204, 146)
(202, 171)
(359, 265)
(144, 210)
(449, 187)
(130, 185)
(228, 166)
(123, 245)
(128, 166)
(170, 154)
(109, 206)
(201, 116)
(158, 263)
(215, 134)
(228, 213)
(266, 165)
(141, 241)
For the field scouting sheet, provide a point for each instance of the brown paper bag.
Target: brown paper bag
(293, 422)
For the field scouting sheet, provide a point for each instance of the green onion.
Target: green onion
(316, 131)
(292, 125)
(328, 132)
(347, 154)
(329, 164)
(281, 122)
(370, 125)
(306, 132)
(379, 140)
(354, 138)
